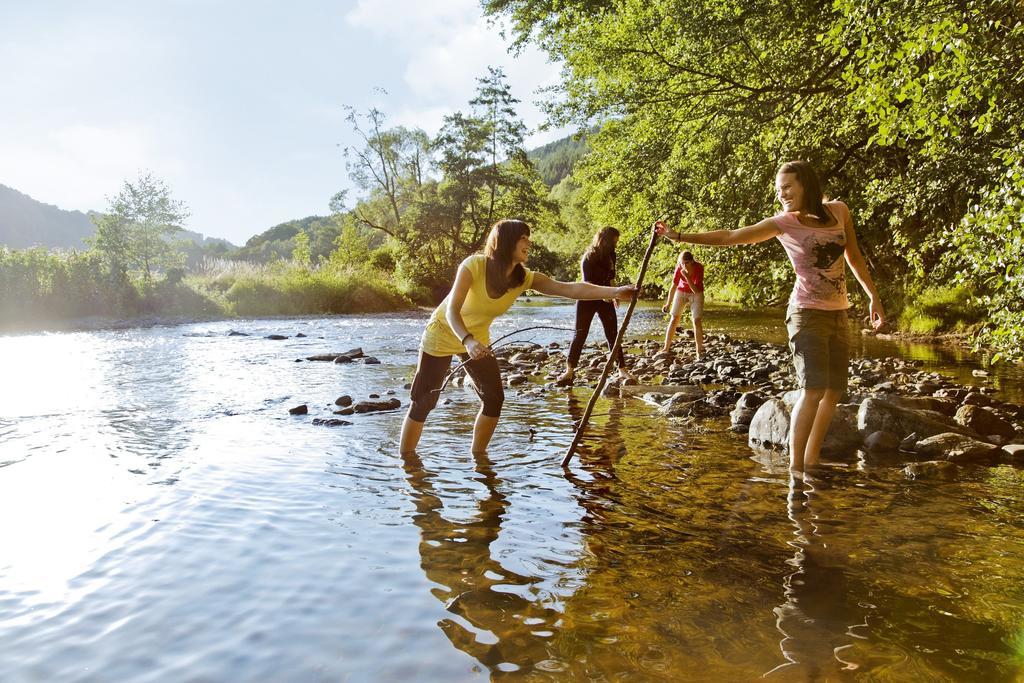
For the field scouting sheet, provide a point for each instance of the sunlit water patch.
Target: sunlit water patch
(165, 518)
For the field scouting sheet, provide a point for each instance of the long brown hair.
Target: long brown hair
(602, 247)
(814, 198)
(501, 243)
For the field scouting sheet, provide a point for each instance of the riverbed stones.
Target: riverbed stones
(375, 406)
(345, 411)
(954, 447)
(343, 400)
(299, 410)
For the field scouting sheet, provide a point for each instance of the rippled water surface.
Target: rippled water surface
(164, 518)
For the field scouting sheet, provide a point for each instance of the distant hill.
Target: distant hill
(278, 242)
(25, 222)
(555, 160)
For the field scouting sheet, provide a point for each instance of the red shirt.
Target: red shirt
(697, 278)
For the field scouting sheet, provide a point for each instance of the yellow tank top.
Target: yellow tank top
(478, 310)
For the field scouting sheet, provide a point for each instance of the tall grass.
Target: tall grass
(38, 288)
(941, 309)
(288, 288)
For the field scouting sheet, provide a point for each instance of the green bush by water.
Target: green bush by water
(941, 309)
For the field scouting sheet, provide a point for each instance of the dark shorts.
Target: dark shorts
(432, 370)
(820, 342)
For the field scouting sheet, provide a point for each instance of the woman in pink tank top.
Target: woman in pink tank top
(819, 239)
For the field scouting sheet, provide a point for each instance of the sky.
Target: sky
(237, 106)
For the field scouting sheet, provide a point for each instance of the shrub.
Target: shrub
(941, 309)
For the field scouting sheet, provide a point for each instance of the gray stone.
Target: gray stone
(679, 405)
(945, 406)
(881, 442)
(277, 337)
(983, 421)
(878, 415)
(909, 443)
(374, 406)
(930, 469)
(1014, 450)
(954, 447)
(769, 427)
(330, 422)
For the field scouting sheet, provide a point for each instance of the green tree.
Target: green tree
(909, 109)
(135, 232)
(300, 250)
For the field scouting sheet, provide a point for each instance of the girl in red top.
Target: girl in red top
(687, 286)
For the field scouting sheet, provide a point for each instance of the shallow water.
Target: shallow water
(164, 518)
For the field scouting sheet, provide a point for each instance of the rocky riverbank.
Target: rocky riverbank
(894, 411)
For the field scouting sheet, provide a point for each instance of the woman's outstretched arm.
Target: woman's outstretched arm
(859, 266)
(584, 291)
(752, 234)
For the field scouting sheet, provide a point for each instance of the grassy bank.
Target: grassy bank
(44, 290)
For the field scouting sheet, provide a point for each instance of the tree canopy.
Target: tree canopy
(911, 111)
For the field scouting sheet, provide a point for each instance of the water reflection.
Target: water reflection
(816, 621)
(492, 622)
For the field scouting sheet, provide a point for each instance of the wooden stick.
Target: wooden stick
(613, 352)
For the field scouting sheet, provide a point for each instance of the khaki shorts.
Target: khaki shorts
(820, 342)
(696, 303)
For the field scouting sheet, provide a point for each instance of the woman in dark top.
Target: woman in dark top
(598, 268)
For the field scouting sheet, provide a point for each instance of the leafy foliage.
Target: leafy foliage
(135, 232)
(909, 109)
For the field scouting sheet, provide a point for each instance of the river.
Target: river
(166, 519)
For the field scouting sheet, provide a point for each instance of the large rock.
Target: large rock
(680, 405)
(945, 406)
(954, 447)
(983, 421)
(769, 428)
(374, 406)
(351, 354)
(746, 406)
(930, 469)
(877, 415)
(881, 442)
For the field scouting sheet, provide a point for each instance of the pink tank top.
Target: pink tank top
(817, 255)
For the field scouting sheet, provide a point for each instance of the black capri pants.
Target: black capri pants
(432, 370)
(585, 311)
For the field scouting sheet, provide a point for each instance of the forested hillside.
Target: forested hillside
(25, 222)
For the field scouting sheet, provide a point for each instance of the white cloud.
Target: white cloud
(446, 47)
(416, 20)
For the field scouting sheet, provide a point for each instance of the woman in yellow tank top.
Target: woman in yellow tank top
(485, 286)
